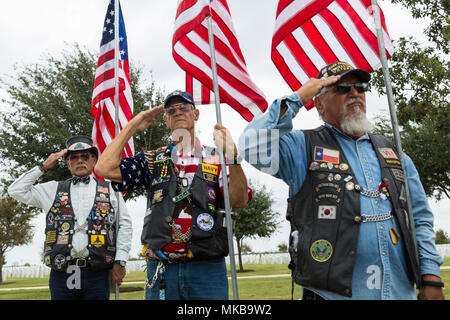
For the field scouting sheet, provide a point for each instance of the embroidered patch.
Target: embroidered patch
(97, 239)
(205, 221)
(211, 194)
(327, 212)
(387, 153)
(210, 168)
(326, 155)
(321, 250)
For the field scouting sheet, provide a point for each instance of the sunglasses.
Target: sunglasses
(184, 107)
(82, 156)
(343, 88)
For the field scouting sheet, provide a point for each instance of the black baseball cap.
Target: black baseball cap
(341, 68)
(178, 93)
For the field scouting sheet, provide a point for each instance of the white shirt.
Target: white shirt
(82, 197)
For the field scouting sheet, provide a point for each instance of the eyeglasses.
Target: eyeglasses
(343, 88)
(82, 156)
(184, 107)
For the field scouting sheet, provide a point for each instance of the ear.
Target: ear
(166, 120)
(196, 114)
(319, 105)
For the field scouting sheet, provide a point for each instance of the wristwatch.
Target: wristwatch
(41, 167)
(122, 263)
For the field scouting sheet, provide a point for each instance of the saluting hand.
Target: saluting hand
(146, 118)
(52, 159)
(313, 87)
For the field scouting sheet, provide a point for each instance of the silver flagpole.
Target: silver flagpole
(394, 121)
(116, 106)
(222, 161)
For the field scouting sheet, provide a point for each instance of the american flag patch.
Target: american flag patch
(387, 153)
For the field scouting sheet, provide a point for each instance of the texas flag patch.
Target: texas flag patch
(327, 212)
(326, 155)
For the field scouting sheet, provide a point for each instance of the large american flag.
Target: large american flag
(191, 52)
(103, 96)
(311, 34)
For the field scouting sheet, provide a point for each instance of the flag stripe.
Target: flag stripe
(309, 35)
(191, 51)
(103, 94)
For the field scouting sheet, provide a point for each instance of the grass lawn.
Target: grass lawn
(249, 289)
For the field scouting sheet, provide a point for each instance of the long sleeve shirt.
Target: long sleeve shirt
(82, 197)
(270, 144)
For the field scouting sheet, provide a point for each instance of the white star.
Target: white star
(111, 31)
(112, 12)
(108, 20)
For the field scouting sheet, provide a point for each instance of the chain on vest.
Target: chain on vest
(325, 213)
(168, 195)
(61, 225)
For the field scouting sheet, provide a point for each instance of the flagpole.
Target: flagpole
(116, 101)
(229, 223)
(394, 121)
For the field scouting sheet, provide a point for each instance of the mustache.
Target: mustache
(78, 166)
(353, 100)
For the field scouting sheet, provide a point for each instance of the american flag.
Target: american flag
(103, 96)
(311, 34)
(191, 52)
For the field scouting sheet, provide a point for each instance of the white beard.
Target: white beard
(356, 122)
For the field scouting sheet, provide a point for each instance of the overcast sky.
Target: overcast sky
(31, 28)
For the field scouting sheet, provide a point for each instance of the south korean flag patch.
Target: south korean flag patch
(327, 212)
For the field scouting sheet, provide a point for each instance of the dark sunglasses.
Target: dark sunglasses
(82, 156)
(343, 88)
(180, 106)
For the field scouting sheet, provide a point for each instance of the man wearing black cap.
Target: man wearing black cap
(184, 233)
(81, 244)
(350, 231)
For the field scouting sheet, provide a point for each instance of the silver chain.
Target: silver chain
(159, 269)
(376, 217)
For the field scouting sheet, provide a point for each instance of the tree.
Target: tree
(257, 219)
(442, 237)
(51, 101)
(420, 78)
(15, 226)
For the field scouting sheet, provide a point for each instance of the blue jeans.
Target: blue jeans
(91, 285)
(190, 280)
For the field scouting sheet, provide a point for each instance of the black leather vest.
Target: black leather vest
(325, 214)
(166, 199)
(60, 228)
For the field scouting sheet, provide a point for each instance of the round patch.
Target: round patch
(205, 221)
(321, 250)
(343, 166)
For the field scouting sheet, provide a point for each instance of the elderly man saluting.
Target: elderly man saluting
(350, 231)
(184, 233)
(81, 245)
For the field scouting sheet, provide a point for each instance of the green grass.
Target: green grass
(249, 289)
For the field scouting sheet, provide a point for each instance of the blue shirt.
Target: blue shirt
(272, 146)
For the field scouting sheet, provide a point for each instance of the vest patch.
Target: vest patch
(321, 250)
(210, 168)
(387, 153)
(326, 155)
(327, 212)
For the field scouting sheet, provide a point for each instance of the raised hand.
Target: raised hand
(52, 159)
(146, 118)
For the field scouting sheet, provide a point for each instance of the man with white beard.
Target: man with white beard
(350, 234)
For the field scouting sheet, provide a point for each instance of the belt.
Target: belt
(80, 262)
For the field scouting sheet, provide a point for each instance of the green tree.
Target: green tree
(257, 219)
(15, 226)
(442, 237)
(50, 101)
(420, 78)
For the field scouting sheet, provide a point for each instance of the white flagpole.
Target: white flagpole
(394, 121)
(116, 102)
(222, 161)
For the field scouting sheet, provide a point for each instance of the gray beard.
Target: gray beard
(356, 122)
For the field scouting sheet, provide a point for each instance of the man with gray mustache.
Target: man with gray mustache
(81, 245)
(350, 233)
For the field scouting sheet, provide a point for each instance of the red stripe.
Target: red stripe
(297, 20)
(319, 42)
(300, 55)
(206, 95)
(282, 67)
(346, 41)
(189, 84)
